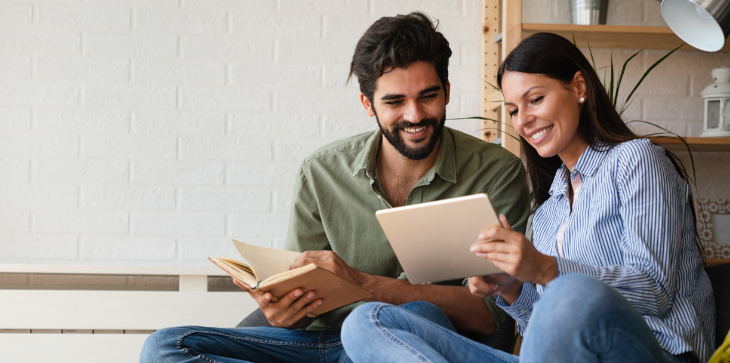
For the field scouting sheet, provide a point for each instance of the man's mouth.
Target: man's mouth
(414, 130)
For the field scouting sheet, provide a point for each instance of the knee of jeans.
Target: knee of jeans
(421, 308)
(570, 291)
(357, 321)
(160, 342)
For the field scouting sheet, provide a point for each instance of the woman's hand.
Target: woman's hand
(512, 253)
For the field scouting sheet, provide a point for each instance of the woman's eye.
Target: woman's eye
(536, 100)
(512, 113)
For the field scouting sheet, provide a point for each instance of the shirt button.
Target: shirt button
(522, 311)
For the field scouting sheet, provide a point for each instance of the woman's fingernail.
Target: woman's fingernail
(297, 293)
(473, 248)
(319, 303)
(479, 254)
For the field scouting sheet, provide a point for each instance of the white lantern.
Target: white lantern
(717, 104)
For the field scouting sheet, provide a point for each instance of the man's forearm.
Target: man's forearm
(465, 311)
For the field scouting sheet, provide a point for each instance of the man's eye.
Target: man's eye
(393, 103)
(537, 100)
(429, 97)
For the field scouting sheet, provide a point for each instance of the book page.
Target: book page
(265, 261)
(236, 269)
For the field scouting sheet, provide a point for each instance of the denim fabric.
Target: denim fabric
(260, 345)
(578, 319)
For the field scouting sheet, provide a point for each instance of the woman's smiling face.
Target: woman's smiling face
(546, 113)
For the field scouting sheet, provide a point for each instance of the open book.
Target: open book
(268, 270)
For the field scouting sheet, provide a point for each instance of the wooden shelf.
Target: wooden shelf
(613, 36)
(699, 143)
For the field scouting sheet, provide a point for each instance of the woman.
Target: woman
(617, 271)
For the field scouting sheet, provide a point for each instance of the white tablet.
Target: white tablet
(432, 240)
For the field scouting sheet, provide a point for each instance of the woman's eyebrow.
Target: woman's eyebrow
(524, 94)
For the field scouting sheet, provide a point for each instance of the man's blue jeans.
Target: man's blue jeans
(227, 345)
(577, 319)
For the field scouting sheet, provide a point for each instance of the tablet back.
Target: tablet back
(432, 240)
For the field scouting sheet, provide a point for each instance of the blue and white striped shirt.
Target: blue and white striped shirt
(631, 228)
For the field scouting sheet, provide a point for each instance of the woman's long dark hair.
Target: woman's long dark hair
(556, 57)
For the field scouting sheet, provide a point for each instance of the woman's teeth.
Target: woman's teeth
(413, 130)
(537, 135)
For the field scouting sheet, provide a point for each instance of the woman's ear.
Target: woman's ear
(579, 84)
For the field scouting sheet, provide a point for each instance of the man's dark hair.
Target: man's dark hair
(398, 42)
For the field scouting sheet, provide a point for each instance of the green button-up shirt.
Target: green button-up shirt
(338, 191)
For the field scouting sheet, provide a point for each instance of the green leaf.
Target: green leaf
(650, 69)
(621, 77)
(493, 86)
(610, 87)
(480, 118)
(591, 52)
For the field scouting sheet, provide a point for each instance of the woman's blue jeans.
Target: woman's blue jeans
(577, 319)
(261, 345)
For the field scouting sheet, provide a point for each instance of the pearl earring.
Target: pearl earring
(582, 100)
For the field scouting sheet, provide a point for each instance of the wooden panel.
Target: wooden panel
(698, 143)
(490, 62)
(613, 36)
(715, 262)
(76, 348)
(135, 310)
(110, 270)
(512, 35)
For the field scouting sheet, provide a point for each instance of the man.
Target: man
(401, 64)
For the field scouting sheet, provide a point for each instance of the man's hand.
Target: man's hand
(484, 286)
(329, 261)
(289, 311)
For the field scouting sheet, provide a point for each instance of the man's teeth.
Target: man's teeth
(537, 135)
(413, 130)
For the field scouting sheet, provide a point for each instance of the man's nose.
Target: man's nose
(414, 112)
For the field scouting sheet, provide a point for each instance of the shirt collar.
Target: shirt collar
(587, 165)
(445, 165)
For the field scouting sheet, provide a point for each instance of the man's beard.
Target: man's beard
(394, 138)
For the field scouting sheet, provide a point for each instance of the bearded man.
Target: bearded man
(401, 64)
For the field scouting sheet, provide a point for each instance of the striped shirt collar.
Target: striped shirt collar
(444, 166)
(587, 165)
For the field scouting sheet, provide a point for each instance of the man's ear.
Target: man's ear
(368, 106)
(447, 92)
(579, 84)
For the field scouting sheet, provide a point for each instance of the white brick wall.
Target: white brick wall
(153, 131)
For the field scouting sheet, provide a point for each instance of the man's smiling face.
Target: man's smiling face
(410, 107)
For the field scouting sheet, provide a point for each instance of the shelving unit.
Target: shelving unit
(613, 36)
(697, 143)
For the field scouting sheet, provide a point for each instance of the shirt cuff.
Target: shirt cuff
(521, 309)
(568, 267)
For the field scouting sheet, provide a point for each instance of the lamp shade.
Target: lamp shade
(703, 24)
